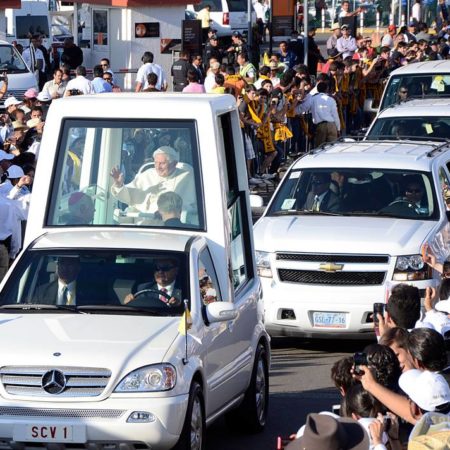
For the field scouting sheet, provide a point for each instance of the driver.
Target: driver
(414, 193)
(165, 282)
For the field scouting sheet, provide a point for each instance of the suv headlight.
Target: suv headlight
(263, 264)
(411, 268)
(154, 378)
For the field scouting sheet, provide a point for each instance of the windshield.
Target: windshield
(216, 5)
(417, 86)
(370, 192)
(122, 282)
(434, 127)
(128, 173)
(11, 61)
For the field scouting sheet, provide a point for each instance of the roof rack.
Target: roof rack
(438, 147)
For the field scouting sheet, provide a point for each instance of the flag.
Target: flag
(266, 60)
(185, 322)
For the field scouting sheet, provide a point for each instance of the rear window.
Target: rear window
(127, 173)
(237, 5)
(26, 26)
(216, 5)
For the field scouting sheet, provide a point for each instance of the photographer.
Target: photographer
(80, 84)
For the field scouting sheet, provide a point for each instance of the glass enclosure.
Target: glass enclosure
(355, 192)
(434, 127)
(418, 86)
(111, 281)
(133, 173)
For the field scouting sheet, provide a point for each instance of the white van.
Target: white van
(33, 17)
(20, 79)
(227, 15)
(158, 329)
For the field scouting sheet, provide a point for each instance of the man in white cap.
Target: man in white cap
(11, 104)
(346, 44)
(143, 192)
(332, 40)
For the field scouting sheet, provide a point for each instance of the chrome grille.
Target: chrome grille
(371, 259)
(80, 381)
(332, 278)
(64, 413)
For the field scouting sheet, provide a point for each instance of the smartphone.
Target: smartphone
(359, 359)
(378, 308)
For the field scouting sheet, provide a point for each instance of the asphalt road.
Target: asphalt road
(299, 384)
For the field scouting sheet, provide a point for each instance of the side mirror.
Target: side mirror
(256, 201)
(220, 312)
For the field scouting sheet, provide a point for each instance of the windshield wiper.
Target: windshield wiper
(300, 212)
(122, 308)
(38, 307)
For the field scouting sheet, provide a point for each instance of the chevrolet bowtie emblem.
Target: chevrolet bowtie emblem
(331, 267)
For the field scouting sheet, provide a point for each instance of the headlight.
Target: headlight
(158, 377)
(263, 264)
(411, 268)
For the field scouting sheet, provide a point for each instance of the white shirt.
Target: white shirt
(81, 83)
(148, 68)
(346, 46)
(51, 88)
(71, 295)
(26, 55)
(143, 192)
(259, 10)
(387, 41)
(210, 82)
(323, 109)
(168, 289)
(417, 11)
(10, 217)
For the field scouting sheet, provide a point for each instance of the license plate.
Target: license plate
(329, 320)
(49, 433)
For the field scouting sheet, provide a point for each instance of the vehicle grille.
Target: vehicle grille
(371, 259)
(331, 279)
(65, 413)
(79, 381)
(18, 93)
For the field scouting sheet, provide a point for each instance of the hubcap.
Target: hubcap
(196, 425)
(260, 391)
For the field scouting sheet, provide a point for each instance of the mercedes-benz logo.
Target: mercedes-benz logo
(54, 381)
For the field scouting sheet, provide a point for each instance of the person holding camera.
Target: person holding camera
(79, 85)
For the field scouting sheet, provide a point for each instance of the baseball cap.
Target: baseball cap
(31, 93)
(426, 389)
(14, 172)
(213, 37)
(344, 27)
(6, 156)
(392, 28)
(44, 97)
(11, 101)
(236, 34)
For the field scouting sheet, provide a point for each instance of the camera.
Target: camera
(378, 308)
(359, 359)
(75, 92)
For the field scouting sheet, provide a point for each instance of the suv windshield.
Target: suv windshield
(11, 61)
(434, 127)
(124, 282)
(141, 173)
(370, 192)
(417, 86)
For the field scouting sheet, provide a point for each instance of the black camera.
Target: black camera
(378, 308)
(359, 359)
(75, 92)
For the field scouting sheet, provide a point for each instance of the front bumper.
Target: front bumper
(99, 426)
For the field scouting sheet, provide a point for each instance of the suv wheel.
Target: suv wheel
(193, 434)
(251, 414)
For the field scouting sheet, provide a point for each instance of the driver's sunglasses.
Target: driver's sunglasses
(403, 92)
(164, 268)
(413, 191)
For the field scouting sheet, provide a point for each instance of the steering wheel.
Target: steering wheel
(150, 297)
(401, 207)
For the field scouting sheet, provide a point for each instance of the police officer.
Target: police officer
(179, 71)
(237, 46)
(212, 50)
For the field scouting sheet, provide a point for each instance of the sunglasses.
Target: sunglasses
(414, 191)
(164, 268)
(403, 92)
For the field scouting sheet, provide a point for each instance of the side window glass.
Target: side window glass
(445, 185)
(238, 262)
(207, 279)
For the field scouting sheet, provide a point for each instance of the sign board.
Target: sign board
(146, 30)
(282, 25)
(191, 36)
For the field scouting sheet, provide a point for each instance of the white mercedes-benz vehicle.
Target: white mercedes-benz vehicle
(346, 223)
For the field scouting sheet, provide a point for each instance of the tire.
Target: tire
(251, 415)
(193, 433)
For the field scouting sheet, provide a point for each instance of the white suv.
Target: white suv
(347, 221)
